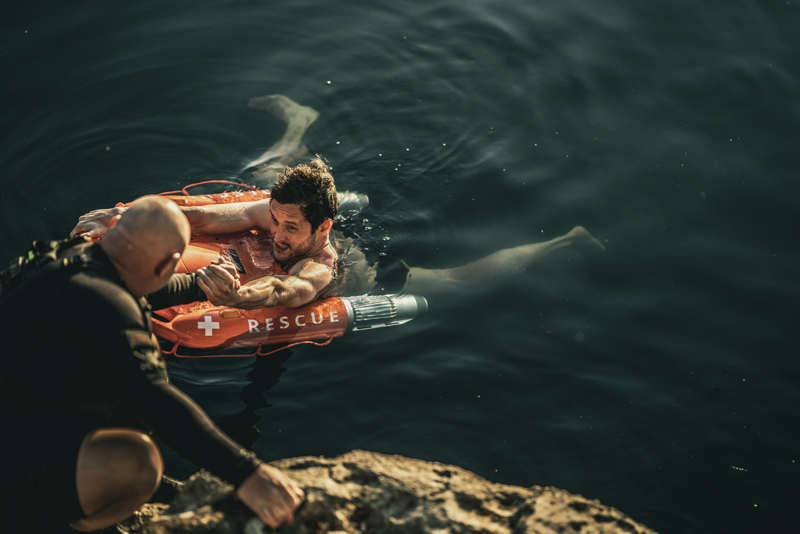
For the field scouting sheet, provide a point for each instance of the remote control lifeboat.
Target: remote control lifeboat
(201, 329)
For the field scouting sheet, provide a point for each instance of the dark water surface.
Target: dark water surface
(660, 376)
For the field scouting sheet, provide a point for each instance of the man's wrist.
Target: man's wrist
(248, 465)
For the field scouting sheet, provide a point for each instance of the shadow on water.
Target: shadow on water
(232, 390)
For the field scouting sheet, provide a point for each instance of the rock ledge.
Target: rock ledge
(366, 492)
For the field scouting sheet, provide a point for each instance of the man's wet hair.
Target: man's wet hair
(310, 186)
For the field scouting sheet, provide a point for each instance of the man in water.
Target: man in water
(298, 219)
(83, 382)
(296, 223)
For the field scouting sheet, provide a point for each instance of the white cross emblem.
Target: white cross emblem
(208, 325)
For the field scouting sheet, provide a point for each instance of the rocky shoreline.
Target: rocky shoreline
(367, 492)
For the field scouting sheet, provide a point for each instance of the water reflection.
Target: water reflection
(232, 390)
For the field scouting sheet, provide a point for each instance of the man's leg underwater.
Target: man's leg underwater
(266, 168)
(118, 470)
(288, 149)
(501, 263)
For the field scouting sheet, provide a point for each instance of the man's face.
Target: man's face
(291, 232)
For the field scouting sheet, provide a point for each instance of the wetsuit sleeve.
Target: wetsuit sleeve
(185, 427)
(181, 289)
(131, 364)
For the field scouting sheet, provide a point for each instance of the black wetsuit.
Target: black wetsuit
(77, 355)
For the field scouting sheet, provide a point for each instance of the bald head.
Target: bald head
(146, 243)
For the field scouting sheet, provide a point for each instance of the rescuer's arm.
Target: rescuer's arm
(211, 219)
(182, 424)
(182, 288)
(307, 279)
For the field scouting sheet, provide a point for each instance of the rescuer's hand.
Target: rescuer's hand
(220, 282)
(96, 223)
(271, 495)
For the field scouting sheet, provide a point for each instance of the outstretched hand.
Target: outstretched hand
(271, 495)
(220, 282)
(96, 223)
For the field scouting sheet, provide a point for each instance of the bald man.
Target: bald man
(82, 386)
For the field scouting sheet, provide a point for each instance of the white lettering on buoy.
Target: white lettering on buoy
(269, 323)
(208, 325)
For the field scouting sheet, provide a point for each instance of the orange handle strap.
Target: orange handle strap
(185, 190)
(174, 350)
(259, 353)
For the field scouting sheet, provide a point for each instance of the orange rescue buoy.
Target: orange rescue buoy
(201, 326)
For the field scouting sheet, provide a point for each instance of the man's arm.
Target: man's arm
(300, 287)
(211, 219)
(177, 419)
(228, 218)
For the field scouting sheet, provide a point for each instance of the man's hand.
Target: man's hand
(96, 223)
(271, 495)
(220, 282)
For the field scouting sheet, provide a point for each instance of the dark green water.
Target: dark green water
(669, 129)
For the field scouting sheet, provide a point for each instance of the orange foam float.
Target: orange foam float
(211, 331)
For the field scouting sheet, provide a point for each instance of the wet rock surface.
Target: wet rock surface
(366, 492)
